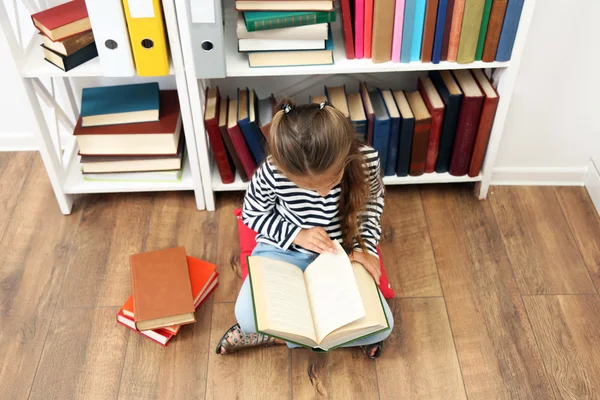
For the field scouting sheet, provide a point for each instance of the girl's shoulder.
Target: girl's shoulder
(371, 156)
(269, 168)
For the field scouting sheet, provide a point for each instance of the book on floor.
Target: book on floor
(294, 5)
(70, 45)
(304, 308)
(67, 63)
(160, 336)
(62, 21)
(266, 20)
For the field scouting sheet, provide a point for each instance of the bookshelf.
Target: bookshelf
(61, 161)
(503, 74)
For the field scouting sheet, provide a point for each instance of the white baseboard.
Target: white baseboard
(592, 184)
(539, 176)
(17, 142)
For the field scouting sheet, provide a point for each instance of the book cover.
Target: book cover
(160, 336)
(67, 63)
(247, 125)
(407, 127)
(429, 30)
(454, 39)
(260, 5)
(383, 26)
(302, 32)
(447, 28)
(420, 143)
(162, 291)
(266, 112)
(359, 28)
(451, 95)
(223, 118)
(347, 28)
(440, 26)
(469, 34)
(470, 111)
(369, 112)
(392, 151)
(486, 122)
(254, 123)
(287, 58)
(267, 20)
(63, 21)
(410, 7)
(398, 27)
(509, 29)
(381, 126)
(211, 123)
(237, 139)
(436, 108)
(417, 39)
(358, 119)
(492, 36)
(369, 5)
(69, 45)
(338, 99)
(485, 20)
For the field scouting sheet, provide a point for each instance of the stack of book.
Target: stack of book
(168, 287)
(461, 31)
(130, 133)
(279, 33)
(66, 35)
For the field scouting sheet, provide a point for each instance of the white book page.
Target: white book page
(333, 293)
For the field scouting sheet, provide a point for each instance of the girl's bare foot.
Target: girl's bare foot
(235, 340)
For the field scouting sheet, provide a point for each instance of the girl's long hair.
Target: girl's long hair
(311, 139)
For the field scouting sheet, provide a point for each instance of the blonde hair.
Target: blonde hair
(310, 140)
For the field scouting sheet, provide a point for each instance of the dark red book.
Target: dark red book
(237, 138)
(468, 119)
(420, 142)
(429, 30)
(486, 122)
(436, 108)
(447, 26)
(223, 113)
(347, 27)
(369, 112)
(63, 21)
(211, 123)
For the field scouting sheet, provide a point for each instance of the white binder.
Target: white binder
(207, 38)
(111, 36)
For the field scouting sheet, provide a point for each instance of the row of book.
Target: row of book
(128, 35)
(168, 287)
(130, 133)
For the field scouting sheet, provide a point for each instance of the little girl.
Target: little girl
(319, 184)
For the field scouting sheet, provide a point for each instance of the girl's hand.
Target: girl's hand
(315, 239)
(371, 263)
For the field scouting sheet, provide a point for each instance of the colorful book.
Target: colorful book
(470, 111)
(358, 119)
(486, 122)
(398, 27)
(492, 36)
(67, 63)
(347, 29)
(420, 143)
(469, 34)
(303, 32)
(509, 29)
(359, 28)
(383, 27)
(237, 139)
(429, 30)
(392, 150)
(337, 97)
(417, 39)
(63, 21)
(266, 20)
(266, 111)
(290, 5)
(438, 40)
(223, 118)
(452, 97)
(436, 108)
(287, 58)
(124, 104)
(160, 336)
(447, 28)
(69, 45)
(407, 127)
(454, 39)
(369, 5)
(369, 112)
(410, 7)
(211, 123)
(247, 123)
(381, 126)
(485, 20)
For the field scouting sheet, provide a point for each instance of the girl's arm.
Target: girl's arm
(370, 227)
(259, 212)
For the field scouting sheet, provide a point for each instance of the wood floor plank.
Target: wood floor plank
(253, 374)
(419, 360)
(34, 253)
(14, 168)
(405, 245)
(585, 225)
(566, 328)
(494, 341)
(540, 246)
(83, 356)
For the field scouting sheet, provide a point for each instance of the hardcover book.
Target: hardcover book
(63, 21)
(392, 150)
(69, 45)
(469, 34)
(266, 20)
(420, 143)
(436, 108)
(369, 112)
(67, 63)
(407, 128)
(492, 36)
(223, 119)
(211, 123)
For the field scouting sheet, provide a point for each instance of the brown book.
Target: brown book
(223, 115)
(69, 45)
(364, 93)
(454, 40)
(486, 122)
(492, 37)
(447, 27)
(383, 26)
(429, 30)
(211, 123)
(162, 291)
(436, 108)
(337, 97)
(420, 142)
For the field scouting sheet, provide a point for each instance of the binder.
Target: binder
(206, 32)
(148, 38)
(112, 39)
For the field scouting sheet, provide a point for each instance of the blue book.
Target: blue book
(439, 31)
(249, 126)
(509, 29)
(408, 30)
(392, 151)
(381, 126)
(407, 128)
(417, 39)
(124, 104)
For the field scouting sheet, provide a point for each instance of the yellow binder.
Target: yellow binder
(148, 38)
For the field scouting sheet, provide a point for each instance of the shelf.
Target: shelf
(237, 63)
(75, 184)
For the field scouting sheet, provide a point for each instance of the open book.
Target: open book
(331, 303)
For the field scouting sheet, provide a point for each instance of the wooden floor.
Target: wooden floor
(496, 299)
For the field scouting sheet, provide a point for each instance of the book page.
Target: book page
(332, 291)
(280, 298)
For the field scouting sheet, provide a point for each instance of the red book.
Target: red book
(447, 26)
(63, 21)
(368, 27)
(237, 138)
(223, 114)
(211, 123)
(486, 122)
(369, 112)
(436, 108)
(420, 142)
(468, 119)
(347, 26)
(429, 30)
(160, 336)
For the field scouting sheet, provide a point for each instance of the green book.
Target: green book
(469, 34)
(265, 20)
(487, 8)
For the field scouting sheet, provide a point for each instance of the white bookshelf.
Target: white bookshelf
(63, 166)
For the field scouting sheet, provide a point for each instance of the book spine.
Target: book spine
(485, 20)
(492, 36)
(437, 119)
(408, 30)
(509, 30)
(429, 30)
(407, 127)
(347, 27)
(241, 150)
(392, 157)
(226, 169)
(482, 137)
(231, 150)
(79, 57)
(465, 135)
(381, 140)
(370, 129)
(383, 29)
(447, 28)
(359, 27)
(470, 31)
(415, 52)
(290, 21)
(438, 40)
(457, 17)
(397, 34)
(419, 147)
(369, 27)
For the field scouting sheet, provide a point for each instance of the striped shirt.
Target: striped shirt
(278, 209)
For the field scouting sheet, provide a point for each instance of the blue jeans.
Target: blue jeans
(244, 310)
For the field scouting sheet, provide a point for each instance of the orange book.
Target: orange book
(160, 336)
(454, 41)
